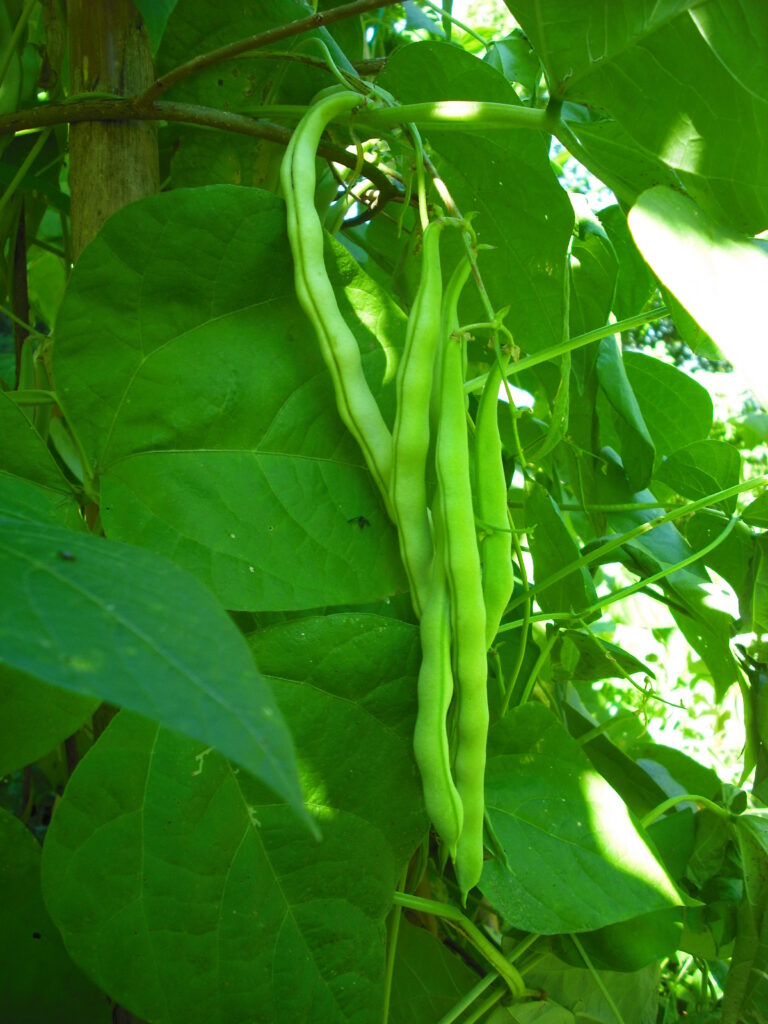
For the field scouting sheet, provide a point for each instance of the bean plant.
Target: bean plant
(334, 460)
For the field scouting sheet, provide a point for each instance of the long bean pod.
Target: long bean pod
(355, 403)
(491, 489)
(435, 690)
(410, 437)
(462, 561)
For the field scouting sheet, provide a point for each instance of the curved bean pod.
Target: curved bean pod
(410, 437)
(435, 689)
(496, 546)
(355, 403)
(462, 561)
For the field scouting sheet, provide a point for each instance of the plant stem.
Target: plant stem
(467, 999)
(597, 979)
(680, 798)
(21, 173)
(573, 343)
(638, 531)
(10, 49)
(482, 944)
(273, 35)
(458, 115)
(394, 932)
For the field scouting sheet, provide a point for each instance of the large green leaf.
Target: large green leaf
(667, 72)
(719, 276)
(39, 981)
(35, 717)
(428, 980)
(102, 619)
(635, 282)
(193, 896)
(576, 859)
(23, 451)
(702, 468)
(595, 1000)
(637, 448)
(196, 385)
(506, 180)
(676, 409)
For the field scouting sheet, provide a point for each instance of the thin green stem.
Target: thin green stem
(528, 601)
(619, 595)
(458, 115)
(688, 798)
(482, 1008)
(394, 932)
(534, 673)
(482, 944)
(22, 323)
(616, 542)
(32, 396)
(597, 979)
(468, 999)
(447, 15)
(574, 343)
(21, 173)
(10, 49)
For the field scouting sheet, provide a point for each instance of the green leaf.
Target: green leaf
(428, 980)
(545, 1012)
(635, 995)
(718, 275)
(637, 448)
(635, 282)
(594, 270)
(184, 887)
(552, 548)
(732, 557)
(155, 14)
(40, 982)
(208, 411)
(577, 861)
(628, 945)
(35, 717)
(702, 468)
(586, 658)
(23, 452)
(760, 586)
(676, 409)
(756, 512)
(514, 57)
(527, 228)
(105, 620)
(23, 499)
(709, 123)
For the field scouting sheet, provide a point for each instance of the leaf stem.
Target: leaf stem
(273, 35)
(482, 944)
(468, 998)
(573, 343)
(680, 798)
(597, 979)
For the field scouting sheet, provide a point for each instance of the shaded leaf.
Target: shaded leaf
(580, 862)
(553, 547)
(637, 448)
(40, 982)
(702, 468)
(428, 979)
(124, 625)
(718, 275)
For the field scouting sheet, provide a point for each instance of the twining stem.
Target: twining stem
(468, 999)
(394, 932)
(459, 115)
(268, 38)
(616, 542)
(680, 798)
(26, 164)
(483, 945)
(573, 343)
(597, 979)
(13, 40)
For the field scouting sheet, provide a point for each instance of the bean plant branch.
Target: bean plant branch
(482, 944)
(263, 39)
(136, 109)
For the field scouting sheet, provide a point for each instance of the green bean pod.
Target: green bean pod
(462, 561)
(435, 690)
(355, 403)
(491, 490)
(410, 437)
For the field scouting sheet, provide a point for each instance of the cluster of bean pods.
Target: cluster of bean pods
(459, 587)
